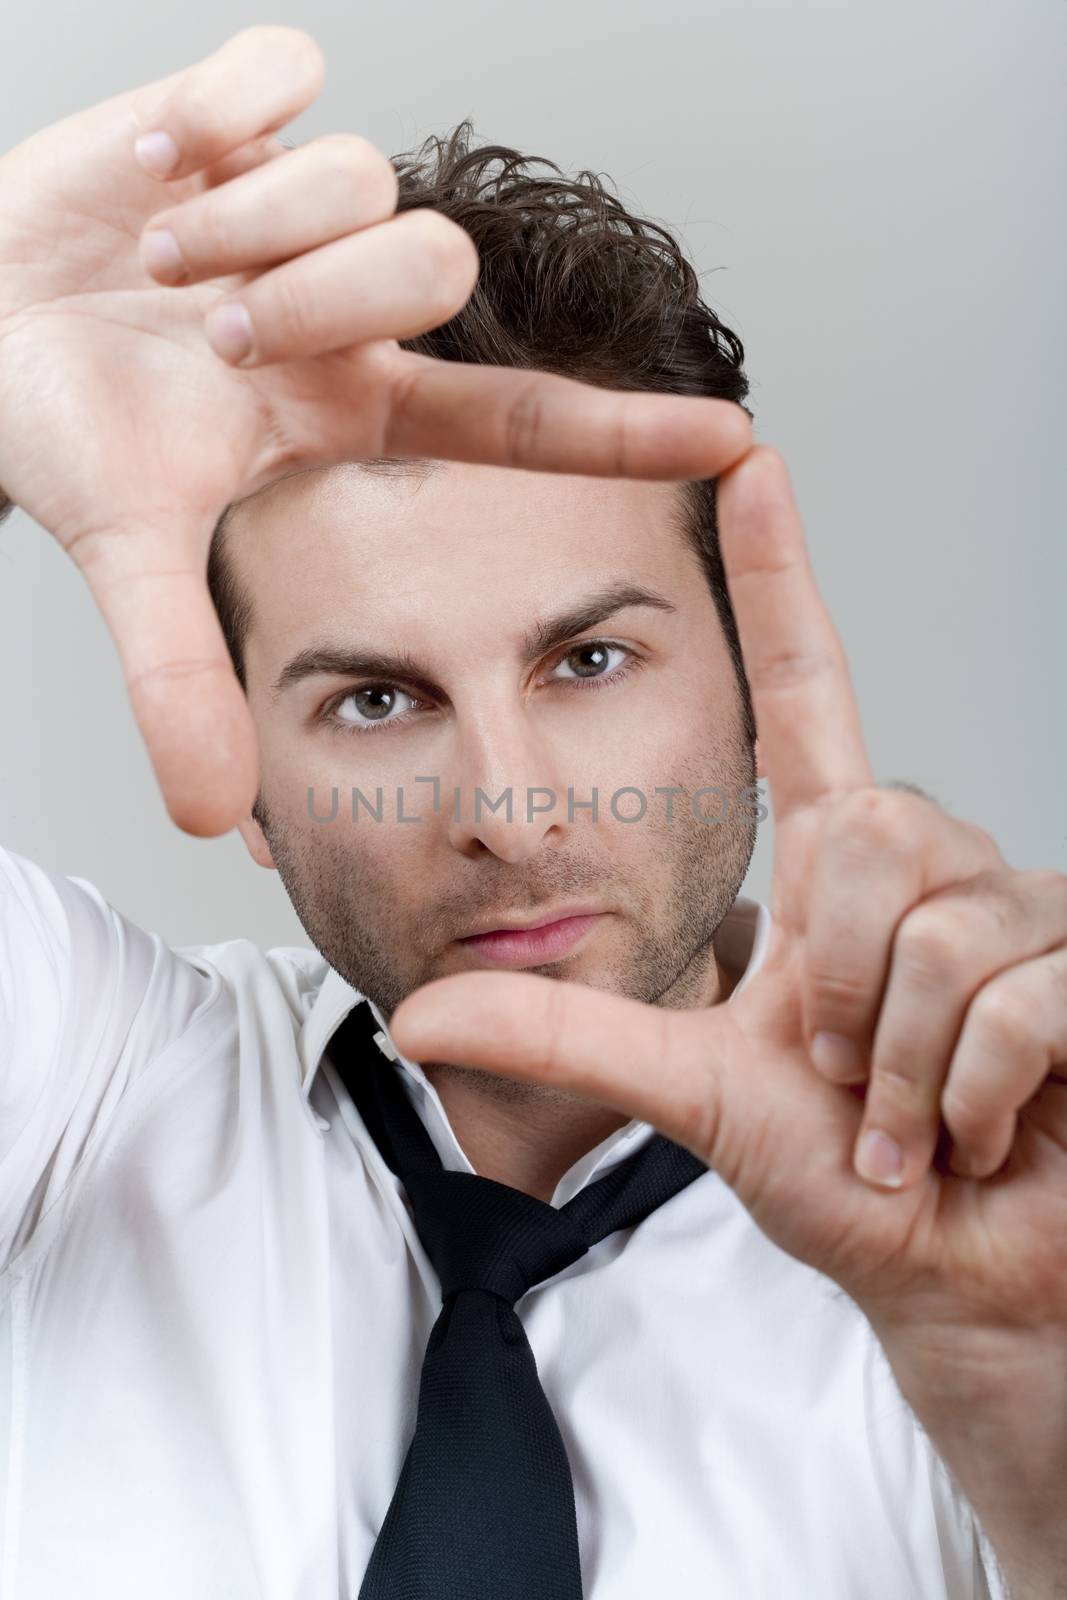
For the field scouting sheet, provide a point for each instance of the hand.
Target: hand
(894, 925)
(125, 434)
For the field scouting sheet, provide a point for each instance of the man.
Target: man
(253, 1340)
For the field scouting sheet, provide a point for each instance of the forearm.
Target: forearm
(995, 1409)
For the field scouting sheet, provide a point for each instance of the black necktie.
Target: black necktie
(484, 1506)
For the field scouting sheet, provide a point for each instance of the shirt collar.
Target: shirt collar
(740, 944)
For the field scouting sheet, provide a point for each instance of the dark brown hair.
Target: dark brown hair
(570, 282)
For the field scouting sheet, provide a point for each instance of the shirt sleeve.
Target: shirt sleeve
(992, 1578)
(970, 1563)
(87, 1000)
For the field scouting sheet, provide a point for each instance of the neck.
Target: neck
(527, 1135)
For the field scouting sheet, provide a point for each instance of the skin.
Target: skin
(940, 969)
(305, 245)
(398, 561)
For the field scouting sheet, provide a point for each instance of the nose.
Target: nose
(506, 792)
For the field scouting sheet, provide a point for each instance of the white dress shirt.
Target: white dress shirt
(214, 1308)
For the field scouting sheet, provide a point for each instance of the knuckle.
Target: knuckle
(345, 151)
(764, 459)
(999, 901)
(837, 988)
(970, 916)
(1043, 883)
(200, 116)
(929, 940)
(626, 439)
(551, 1056)
(901, 1093)
(287, 313)
(401, 384)
(360, 163)
(870, 821)
(696, 1111)
(965, 1115)
(992, 887)
(783, 668)
(1003, 1017)
(357, 156)
(111, 552)
(524, 423)
(984, 839)
(205, 230)
(86, 545)
(146, 681)
(450, 257)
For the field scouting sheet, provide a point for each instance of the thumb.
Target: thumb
(661, 1066)
(151, 588)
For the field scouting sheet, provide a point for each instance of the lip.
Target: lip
(584, 908)
(518, 947)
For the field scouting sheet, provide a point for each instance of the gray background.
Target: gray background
(873, 195)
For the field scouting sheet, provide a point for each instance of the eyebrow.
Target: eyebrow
(348, 662)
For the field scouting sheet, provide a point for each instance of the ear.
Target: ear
(255, 841)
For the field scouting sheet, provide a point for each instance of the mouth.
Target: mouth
(518, 947)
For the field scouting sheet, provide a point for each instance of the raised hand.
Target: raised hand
(942, 973)
(125, 432)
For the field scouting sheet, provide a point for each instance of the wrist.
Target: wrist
(994, 1405)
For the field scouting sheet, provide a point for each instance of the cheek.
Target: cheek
(693, 744)
(287, 769)
(372, 866)
(625, 780)
(308, 778)
(642, 747)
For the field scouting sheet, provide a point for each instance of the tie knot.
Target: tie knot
(480, 1234)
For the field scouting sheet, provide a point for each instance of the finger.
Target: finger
(879, 852)
(246, 159)
(278, 209)
(189, 706)
(257, 81)
(809, 727)
(1014, 1033)
(946, 952)
(657, 1065)
(390, 281)
(546, 423)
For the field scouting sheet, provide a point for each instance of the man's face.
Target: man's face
(457, 572)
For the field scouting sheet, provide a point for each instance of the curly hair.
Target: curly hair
(571, 283)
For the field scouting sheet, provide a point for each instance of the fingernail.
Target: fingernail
(837, 1057)
(157, 153)
(229, 331)
(879, 1159)
(162, 254)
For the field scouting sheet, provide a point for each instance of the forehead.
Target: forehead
(472, 547)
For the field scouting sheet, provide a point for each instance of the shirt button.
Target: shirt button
(385, 1046)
